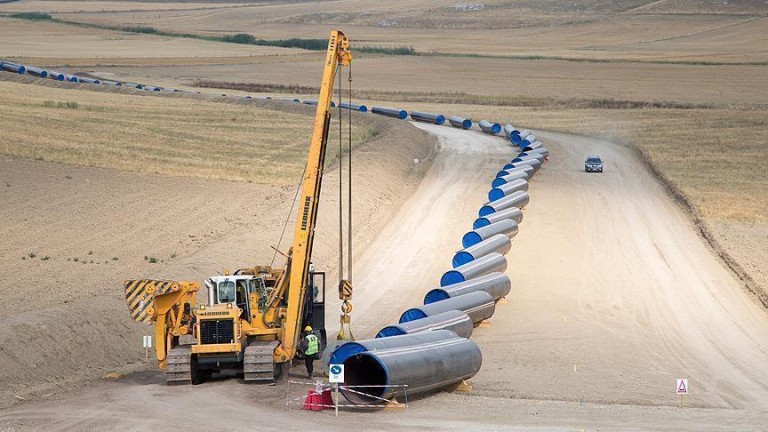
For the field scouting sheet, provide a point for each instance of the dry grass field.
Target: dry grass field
(149, 134)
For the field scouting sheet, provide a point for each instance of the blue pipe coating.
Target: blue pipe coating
(496, 243)
(58, 76)
(497, 285)
(347, 105)
(512, 213)
(13, 67)
(517, 199)
(453, 320)
(535, 163)
(460, 122)
(437, 119)
(514, 174)
(493, 262)
(508, 188)
(348, 349)
(390, 112)
(489, 128)
(506, 226)
(479, 305)
(42, 73)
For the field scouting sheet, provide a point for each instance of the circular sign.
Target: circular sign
(335, 369)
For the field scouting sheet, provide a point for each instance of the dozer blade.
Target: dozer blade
(140, 294)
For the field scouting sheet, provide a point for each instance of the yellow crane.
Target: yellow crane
(253, 318)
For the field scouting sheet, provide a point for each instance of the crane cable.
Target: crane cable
(345, 285)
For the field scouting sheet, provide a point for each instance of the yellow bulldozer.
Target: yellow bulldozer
(253, 318)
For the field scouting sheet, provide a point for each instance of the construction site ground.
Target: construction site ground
(614, 296)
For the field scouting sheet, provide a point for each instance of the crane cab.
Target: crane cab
(237, 290)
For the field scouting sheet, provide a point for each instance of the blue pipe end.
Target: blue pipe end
(495, 194)
(496, 128)
(21, 70)
(502, 173)
(498, 181)
(390, 331)
(516, 138)
(461, 258)
(345, 351)
(466, 124)
(363, 108)
(451, 277)
(480, 222)
(411, 315)
(486, 210)
(73, 79)
(436, 295)
(508, 166)
(470, 239)
(524, 143)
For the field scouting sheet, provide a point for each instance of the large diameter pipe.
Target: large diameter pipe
(314, 102)
(437, 119)
(347, 105)
(513, 175)
(512, 213)
(58, 76)
(509, 130)
(497, 285)
(501, 191)
(507, 227)
(13, 67)
(348, 349)
(538, 150)
(493, 262)
(95, 81)
(390, 112)
(72, 78)
(518, 199)
(373, 377)
(499, 243)
(535, 163)
(42, 73)
(479, 305)
(520, 158)
(526, 168)
(489, 128)
(533, 146)
(460, 122)
(453, 320)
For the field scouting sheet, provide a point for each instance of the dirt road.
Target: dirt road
(614, 297)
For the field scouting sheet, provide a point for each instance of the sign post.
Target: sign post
(336, 376)
(147, 346)
(682, 389)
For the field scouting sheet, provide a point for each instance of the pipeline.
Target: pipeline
(533, 146)
(361, 108)
(493, 262)
(42, 73)
(514, 174)
(94, 81)
(501, 191)
(538, 150)
(509, 130)
(519, 158)
(517, 199)
(479, 305)
(512, 213)
(437, 119)
(507, 227)
(497, 285)
(500, 243)
(348, 349)
(489, 128)
(390, 112)
(13, 67)
(535, 163)
(314, 102)
(460, 122)
(421, 368)
(72, 78)
(525, 168)
(58, 76)
(453, 320)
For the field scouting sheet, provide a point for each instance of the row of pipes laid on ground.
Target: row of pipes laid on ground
(429, 348)
(438, 119)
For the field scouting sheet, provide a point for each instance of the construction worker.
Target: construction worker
(311, 350)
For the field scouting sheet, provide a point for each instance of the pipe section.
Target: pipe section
(95, 81)
(506, 226)
(497, 285)
(489, 128)
(535, 163)
(517, 199)
(513, 175)
(525, 168)
(509, 130)
(390, 112)
(493, 262)
(460, 122)
(42, 73)
(361, 108)
(58, 76)
(13, 67)
(479, 305)
(348, 349)
(437, 119)
(496, 243)
(533, 146)
(453, 320)
(513, 213)
(501, 191)
(422, 368)
(538, 150)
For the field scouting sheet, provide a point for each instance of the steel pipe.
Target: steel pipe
(526, 168)
(493, 262)
(517, 199)
(460, 122)
(535, 163)
(453, 320)
(361, 108)
(13, 67)
(519, 158)
(58, 76)
(539, 150)
(520, 136)
(390, 112)
(509, 130)
(514, 174)
(72, 78)
(497, 285)
(348, 349)
(95, 81)
(479, 305)
(499, 243)
(42, 73)
(371, 377)
(507, 227)
(437, 119)
(512, 213)
(314, 102)
(489, 128)
(501, 191)
(533, 146)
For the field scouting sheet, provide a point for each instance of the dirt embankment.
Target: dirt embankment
(71, 235)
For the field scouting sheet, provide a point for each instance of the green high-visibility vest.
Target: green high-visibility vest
(312, 345)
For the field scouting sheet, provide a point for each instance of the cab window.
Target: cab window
(226, 292)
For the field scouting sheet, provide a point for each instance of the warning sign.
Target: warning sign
(682, 386)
